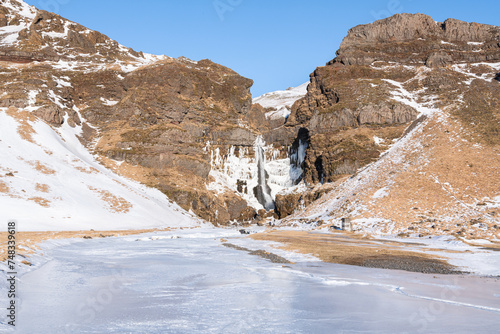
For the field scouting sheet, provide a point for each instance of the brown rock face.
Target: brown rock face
(287, 204)
(439, 59)
(351, 100)
(51, 114)
(416, 38)
(164, 115)
(384, 114)
(344, 109)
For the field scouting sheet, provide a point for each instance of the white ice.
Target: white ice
(193, 284)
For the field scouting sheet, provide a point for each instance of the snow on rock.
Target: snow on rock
(232, 168)
(383, 192)
(9, 34)
(108, 102)
(378, 140)
(20, 8)
(32, 100)
(281, 100)
(465, 69)
(404, 96)
(26, 13)
(63, 81)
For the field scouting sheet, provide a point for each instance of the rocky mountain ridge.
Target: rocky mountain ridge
(29, 34)
(191, 130)
(411, 86)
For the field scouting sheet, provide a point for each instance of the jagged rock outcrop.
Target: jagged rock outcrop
(416, 38)
(48, 36)
(344, 109)
(439, 59)
(51, 114)
(370, 114)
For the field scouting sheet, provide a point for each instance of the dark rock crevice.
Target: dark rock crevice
(297, 154)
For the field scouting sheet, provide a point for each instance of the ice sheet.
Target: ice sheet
(193, 284)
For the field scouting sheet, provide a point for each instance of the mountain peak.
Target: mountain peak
(415, 38)
(28, 34)
(17, 7)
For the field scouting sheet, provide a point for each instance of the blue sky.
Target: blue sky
(276, 43)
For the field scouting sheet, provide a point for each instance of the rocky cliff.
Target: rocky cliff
(418, 39)
(405, 123)
(353, 92)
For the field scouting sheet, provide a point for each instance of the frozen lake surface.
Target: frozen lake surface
(193, 284)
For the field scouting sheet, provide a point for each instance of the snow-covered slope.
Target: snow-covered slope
(281, 100)
(49, 181)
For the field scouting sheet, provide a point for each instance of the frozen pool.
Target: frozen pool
(193, 284)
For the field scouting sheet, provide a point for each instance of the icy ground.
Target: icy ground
(187, 282)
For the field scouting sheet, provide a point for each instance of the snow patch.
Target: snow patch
(281, 100)
(410, 99)
(383, 192)
(62, 81)
(378, 140)
(107, 102)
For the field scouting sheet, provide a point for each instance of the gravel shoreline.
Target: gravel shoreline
(413, 264)
(359, 251)
(266, 255)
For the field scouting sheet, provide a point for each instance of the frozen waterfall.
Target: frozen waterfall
(262, 191)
